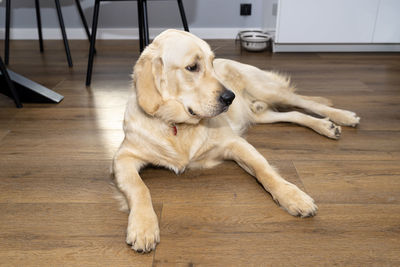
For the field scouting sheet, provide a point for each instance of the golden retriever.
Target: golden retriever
(189, 110)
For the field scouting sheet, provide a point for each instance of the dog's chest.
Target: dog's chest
(171, 146)
(184, 146)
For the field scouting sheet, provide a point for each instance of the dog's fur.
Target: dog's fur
(176, 118)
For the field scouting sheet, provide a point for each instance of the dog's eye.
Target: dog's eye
(193, 68)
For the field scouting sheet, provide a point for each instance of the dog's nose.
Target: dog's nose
(227, 97)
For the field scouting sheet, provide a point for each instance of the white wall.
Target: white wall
(210, 18)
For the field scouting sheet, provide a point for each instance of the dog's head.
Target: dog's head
(175, 80)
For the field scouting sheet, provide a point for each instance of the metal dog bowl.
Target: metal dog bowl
(254, 40)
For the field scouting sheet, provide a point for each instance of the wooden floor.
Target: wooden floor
(57, 206)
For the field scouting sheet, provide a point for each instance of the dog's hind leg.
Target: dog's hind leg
(321, 126)
(275, 89)
(339, 116)
(318, 99)
(279, 91)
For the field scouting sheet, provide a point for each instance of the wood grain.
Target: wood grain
(3, 133)
(351, 181)
(57, 206)
(302, 143)
(255, 235)
(52, 234)
(231, 186)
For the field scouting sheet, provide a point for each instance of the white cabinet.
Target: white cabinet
(326, 21)
(342, 22)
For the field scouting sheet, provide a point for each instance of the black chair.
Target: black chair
(39, 26)
(143, 29)
(10, 84)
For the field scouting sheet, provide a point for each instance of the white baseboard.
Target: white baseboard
(115, 33)
(278, 47)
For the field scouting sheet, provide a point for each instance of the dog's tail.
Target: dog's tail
(318, 99)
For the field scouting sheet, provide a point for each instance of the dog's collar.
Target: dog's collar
(174, 129)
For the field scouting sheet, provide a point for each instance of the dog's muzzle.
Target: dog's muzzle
(226, 97)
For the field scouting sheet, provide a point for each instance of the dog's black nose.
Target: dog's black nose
(227, 97)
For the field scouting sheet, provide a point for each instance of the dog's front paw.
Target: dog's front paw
(345, 118)
(295, 201)
(143, 233)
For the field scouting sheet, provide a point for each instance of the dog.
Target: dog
(189, 110)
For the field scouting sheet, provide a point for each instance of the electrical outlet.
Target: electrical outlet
(245, 9)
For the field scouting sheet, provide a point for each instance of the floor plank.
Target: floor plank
(233, 185)
(303, 143)
(56, 190)
(351, 181)
(68, 234)
(3, 133)
(255, 235)
(62, 143)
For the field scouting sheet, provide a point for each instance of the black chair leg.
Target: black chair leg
(183, 16)
(92, 42)
(140, 23)
(145, 24)
(83, 19)
(10, 84)
(39, 24)
(7, 39)
(64, 34)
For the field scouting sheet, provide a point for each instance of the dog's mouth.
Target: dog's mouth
(209, 110)
(217, 111)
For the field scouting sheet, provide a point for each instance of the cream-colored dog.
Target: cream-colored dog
(189, 110)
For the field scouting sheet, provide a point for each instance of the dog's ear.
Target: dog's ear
(147, 81)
